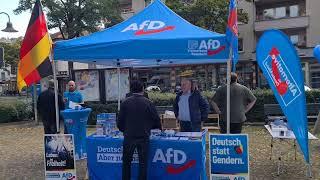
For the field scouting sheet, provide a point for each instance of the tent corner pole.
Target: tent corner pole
(228, 94)
(118, 70)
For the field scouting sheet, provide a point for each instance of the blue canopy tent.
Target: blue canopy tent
(154, 37)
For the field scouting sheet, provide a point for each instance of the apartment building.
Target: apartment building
(299, 19)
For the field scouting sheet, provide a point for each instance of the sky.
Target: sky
(19, 22)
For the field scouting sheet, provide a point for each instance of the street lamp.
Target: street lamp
(9, 27)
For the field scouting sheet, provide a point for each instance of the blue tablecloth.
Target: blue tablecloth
(75, 121)
(168, 159)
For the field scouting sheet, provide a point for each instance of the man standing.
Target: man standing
(72, 94)
(136, 118)
(190, 108)
(241, 101)
(47, 110)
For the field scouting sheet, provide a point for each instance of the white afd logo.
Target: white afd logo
(148, 24)
(170, 156)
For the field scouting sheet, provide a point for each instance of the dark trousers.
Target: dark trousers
(188, 126)
(49, 127)
(235, 128)
(129, 145)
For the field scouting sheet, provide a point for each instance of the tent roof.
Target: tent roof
(155, 36)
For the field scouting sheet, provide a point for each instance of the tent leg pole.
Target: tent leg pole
(228, 94)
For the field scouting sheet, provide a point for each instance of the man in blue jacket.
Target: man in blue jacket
(190, 107)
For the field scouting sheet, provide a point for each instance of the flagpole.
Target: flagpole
(309, 170)
(35, 103)
(55, 94)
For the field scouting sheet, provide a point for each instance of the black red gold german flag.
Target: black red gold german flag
(35, 50)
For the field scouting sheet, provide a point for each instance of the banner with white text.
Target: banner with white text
(229, 156)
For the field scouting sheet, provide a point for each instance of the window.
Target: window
(294, 39)
(240, 45)
(3, 76)
(294, 11)
(280, 12)
(268, 14)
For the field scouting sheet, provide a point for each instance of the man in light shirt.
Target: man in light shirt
(190, 107)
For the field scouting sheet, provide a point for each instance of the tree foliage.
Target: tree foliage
(76, 17)
(11, 52)
(208, 14)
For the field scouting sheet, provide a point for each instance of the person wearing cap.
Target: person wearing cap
(47, 110)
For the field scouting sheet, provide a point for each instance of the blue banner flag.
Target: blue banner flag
(281, 66)
(232, 33)
(316, 52)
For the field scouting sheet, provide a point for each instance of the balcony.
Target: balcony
(285, 23)
(258, 2)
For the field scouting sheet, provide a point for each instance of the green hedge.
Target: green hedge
(256, 114)
(17, 111)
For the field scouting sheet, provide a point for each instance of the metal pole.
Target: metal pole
(56, 95)
(309, 170)
(118, 69)
(228, 95)
(35, 103)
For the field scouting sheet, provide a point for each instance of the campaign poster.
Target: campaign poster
(229, 156)
(59, 157)
(88, 84)
(112, 89)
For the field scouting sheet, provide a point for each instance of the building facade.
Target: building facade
(296, 18)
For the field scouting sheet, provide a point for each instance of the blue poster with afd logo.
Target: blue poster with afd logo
(169, 159)
(229, 158)
(281, 66)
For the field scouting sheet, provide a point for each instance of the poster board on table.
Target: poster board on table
(111, 81)
(59, 156)
(88, 84)
(229, 156)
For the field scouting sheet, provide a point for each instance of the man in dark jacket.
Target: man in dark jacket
(190, 108)
(47, 109)
(136, 118)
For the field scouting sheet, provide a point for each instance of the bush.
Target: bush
(98, 108)
(16, 111)
(256, 114)
(8, 113)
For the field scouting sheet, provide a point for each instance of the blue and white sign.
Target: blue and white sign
(168, 159)
(229, 156)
